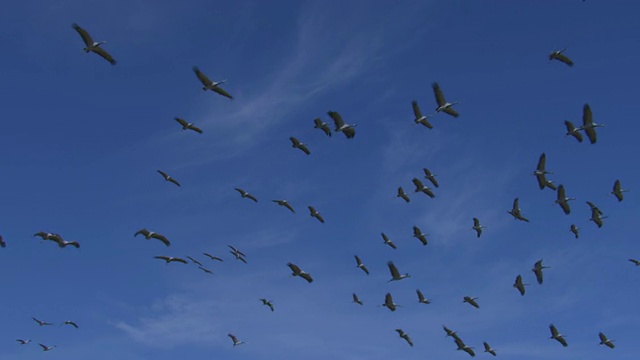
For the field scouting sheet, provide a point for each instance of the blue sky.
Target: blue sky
(82, 141)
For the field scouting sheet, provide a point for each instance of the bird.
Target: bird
(194, 261)
(92, 46)
(421, 298)
(319, 124)
(430, 176)
(605, 341)
(395, 274)
(69, 322)
(443, 105)
(471, 301)
(361, 265)
(236, 342)
(23, 342)
(636, 262)
(563, 200)
(463, 347)
(388, 302)
(169, 259)
(516, 212)
(314, 213)
(2, 242)
(477, 227)
(572, 130)
(210, 85)
(212, 257)
(356, 299)
(558, 55)
(267, 303)
(596, 217)
(537, 270)
(386, 240)
(588, 125)
(284, 203)
(575, 230)
(188, 126)
(419, 118)
(594, 207)
(48, 236)
(488, 349)
(420, 187)
(417, 233)
(41, 323)
(540, 173)
(239, 255)
(617, 190)
(168, 178)
(297, 272)
(404, 336)
(64, 243)
(153, 235)
(246, 194)
(450, 332)
(402, 194)
(557, 336)
(205, 270)
(297, 144)
(47, 348)
(340, 126)
(518, 284)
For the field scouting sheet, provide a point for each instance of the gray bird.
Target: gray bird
(267, 303)
(421, 298)
(319, 124)
(188, 126)
(418, 117)
(402, 194)
(418, 234)
(563, 200)
(588, 125)
(210, 85)
(430, 176)
(168, 178)
(572, 130)
(404, 336)
(297, 144)
(477, 227)
(153, 235)
(297, 272)
(361, 265)
(557, 336)
(471, 301)
(314, 213)
(92, 46)
(618, 190)
(169, 259)
(388, 302)
(420, 187)
(356, 299)
(558, 55)
(245, 194)
(605, 341)
(516, 212)
(575, 230)
(340, 126)
(537, 270)
(386, 240)
(395, 274)
(235, 340)
(443, 105)
(284, 203)
(518, 284)
(540, 174)
(488, 349)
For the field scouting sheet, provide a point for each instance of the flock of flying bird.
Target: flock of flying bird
(443, 106)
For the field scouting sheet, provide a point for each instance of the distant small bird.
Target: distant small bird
(471, 301)
(420, 187)
(169, 259)
(462, 346)
(596, 215)
(68, 322)
(246, 194)
(605, 341)
(572, 130)
(404, 336)
(267, 303)
(153, 235)
(235, 340)
(239, 255)
(588, 125)
(47, 348)
(92, 46)
(540, 173)
(361, 265)
(212, 257)
(518, 284)
(402, 194)
(210, 85)
(477, 227)
(637, 262)
(194, 261)
(516, 212)
(430, 176)
(387, 241)
(575, 230)
(47, 236)
(388, 302)
(205, 270)
(558, 55)
(395, 274)
(563, 200)
(488, 349)
(418, 117)
(168, 178)
(314, 213)
(443, 105)
(41, 323)
(297, 272)
(2, 242)
(557, 336)
(418, 234)
(188, 126)
(297, 144)
(340, 126)
(537, 270)
(284, 203)
(617, 190)
(356, 300)
(421, 298)
(319, 124)
(23, 342)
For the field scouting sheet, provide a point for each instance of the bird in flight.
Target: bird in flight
(235, 340)
(210, 85)
(387, 241)
(421, 298)
(319, 124)
(418, 117)
(340, 126)
(284, 203)
(563, 200)
(314, 213)
(169, 259)
(402, 194)
(23, 342)
(405, 336)
(488, 349)
(558, 55)
(267, 303)
(588, 125)
(575, 230)
(518, 284)
(194, 261)
(540, 173)
(420, 187)
(477, 227)
(361, 265)
(605, 341)
(245, 194)
(297, 144)
(618, 190)
(153, 235)
(516, 212)
(395, 274)
(92, 46)
(297, 272)
(168, 178)
(572, 130)
(69, 322)
(356, 299)
(537, 270)
(212, 257)
(239, 255)
(418, 234)
(443, 105)
(188, 126)
(41, 323)
(557, 336)
(471, 301)
(47, 348)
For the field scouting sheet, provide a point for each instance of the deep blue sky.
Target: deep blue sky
(82, 141)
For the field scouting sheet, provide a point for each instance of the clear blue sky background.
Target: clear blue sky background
(81, 142)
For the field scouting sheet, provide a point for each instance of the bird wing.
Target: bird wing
(164, 174)
(487, 348)
(194, 261)
(222, 92)
(602, 337)
(617, 190)
(306, 277)
(294, 141)
(571, 130)
(235, 340)
(429, 193)
(349, 132)
(288, 206)
(165, 258)
(476, 222)
(84, 35)
(242, 192)
(174, 181)
(202, 77)
(420, 296)
(72, 324)
(402, 194)
(181, 121)
(249, 196)
(212, 257)
(180, 260)
(563, 58)
(161, 238)
(587, 123)
(195, 128)
(451, 111)
(337, 119)
(416, 231)
(326, 129)
(319, 217)
(516, 207)
(205, 269)
(358, 261)
(438, 93)
(562, 341)
(542, 162)
(104, 54)
(144, 232)
(44, 347)
(294, 268)
(394, 270)
(417, 183)
(416, 109)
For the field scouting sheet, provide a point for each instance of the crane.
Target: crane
(563, 200)
(421, 298)
(518, 284)
(386, 240)
(152, 235)
(297, 144)
(168, 178)
(540, 173)
(361, 265)
(605, 341)
(417, 233)
(477, 227)
(516, 212)
(405, 336)
(537, 270)
(187, 125)
(488, 349)
(420, 187)
(443, 105)
(395, 274)
(314, 213)
(356, 299)
(245, 194)
(235, 340)
(588, 125)
(618, 190)
(558, 55)
(267, 303)
(169, 259)
(572, 130)
(557, 336)
(210, 85)
(319, 124)
(284, 203)
(471, 301)
(418, 117)
(92, 46)
(340, 126)
(402, 194)
(575, 230)
(297, 272)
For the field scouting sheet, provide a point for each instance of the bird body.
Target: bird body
(618, 190)
(588, 125)
(572, 130)
(297, 144)
(388, 302)
(558, 55)
(395, 274)
(245, 194)
(420, 187)
(69, 322)
(557, 336)
(430, 176)
(169, 259)
(297, 272)
(575, 230)
(340, 126)
(488, 349)
(402, 194)
(188, 126)
(319, 124)
(462, 346)
(605, 341)
(153, 235)
(471, 301)
(537, 270)
(418, 117)
(47, 348)
(168, 178)
(477, 227)
(23, 342)
(386, 240)
(267, 303)
(41, 323)
(540, 173)
(314, 213)
(518, 284)
(563, 200)
(443, 105)
(404, 336)
(516, 212)
(92, 46)
(360, 265)
(421, 298)
(417, 233)
(356, 299)
(212, 257)
(284, 203)
(210, 85)
(235, 340)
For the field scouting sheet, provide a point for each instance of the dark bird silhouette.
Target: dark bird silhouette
(386, 240)
(402, 194)
(443, 105)
(235, 340)
(169, 259)
(361, 265)
(537, 270)
(471, 301)
(92, 46)
(605, 341)
(558, 55)
(188, 126)
(284, 203)
(618, 190)
(356, 299)
(404, 336)
(153, 235)
(319, 124)
(418, 117)
(395, 274)
(572, 130)
(210, 85)
(297, 272)
(314, 213)
(417, 233)
(557, 336)
(340, 126)
(516, 212)
(297, 144)
(168, 178)
(246, 194)
(267, 303)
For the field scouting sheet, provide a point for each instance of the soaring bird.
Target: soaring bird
(488, 349)
(402, 194)
(2, 242)
(386, 240)
(212, 257)
(518, 284)
(297, 144)
(267, 303)
(572, 130)
(418, 234)
(319, 124)
(420, 187)
(443, 105)
(187, 125)
(314, 213)
(617, 190)
(69, 322)
(41, 323)
(169, 259)
(153, 235)
(284, 203)
(205, 270)
(92, 46)
(23, 342)
(239, 255)
(210, 85)
(388, 302)
(516, 212)
(430, 176)
(246, 194)
(340, 126)
(168, 178)
(636, 262)
(395, 274)
(563, 200)
(47, 348)
(64, 243)
(404, 336)
(419, 118)
(540, 173)
(588, 125)
(557, 336)
(477, 227)
(297, 272)
(48, 236)
(596, 217)
(462, 346)
(421, 298)
(471, 301)
(356, 299)
(236, 342)
(361, 265)
(537, 270)
(558, 55)
(575, 230)
(194, 261)
(605, 341)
